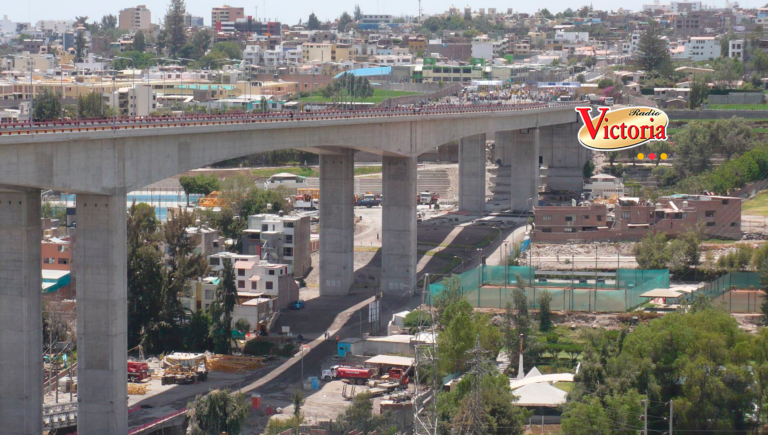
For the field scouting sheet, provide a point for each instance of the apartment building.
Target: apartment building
(56, 254)
(701, 48)
(225, 13)
(632, 219)
(312, 52)
(135, 19)
(140, 100)
(604, 186)
(736, 48)
(281, 239)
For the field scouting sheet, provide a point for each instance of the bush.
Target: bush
(258, 348)
(666, 175)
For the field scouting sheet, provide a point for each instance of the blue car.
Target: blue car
(298, 305)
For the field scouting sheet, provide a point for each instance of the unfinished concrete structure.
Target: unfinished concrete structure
(101, 166)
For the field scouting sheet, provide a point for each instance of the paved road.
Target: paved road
(94, 125)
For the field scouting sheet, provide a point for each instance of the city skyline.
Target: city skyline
(50, 10)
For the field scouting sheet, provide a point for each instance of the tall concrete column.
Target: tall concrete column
(102, 314)
(337, 226)
(398, 243)
(21, 316)
(524, 151)
(472, 174)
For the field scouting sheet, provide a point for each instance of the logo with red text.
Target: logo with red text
(613, 130)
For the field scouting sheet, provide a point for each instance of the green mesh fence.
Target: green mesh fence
(739, 292)
(575, 292)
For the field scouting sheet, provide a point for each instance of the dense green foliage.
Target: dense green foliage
(714, 372)
(677, 255)
(218, 412)
(199, 184)
(47, 105)
(359, 416)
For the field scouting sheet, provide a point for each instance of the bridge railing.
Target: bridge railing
(47, 127)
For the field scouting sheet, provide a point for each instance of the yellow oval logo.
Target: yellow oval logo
(620, 129)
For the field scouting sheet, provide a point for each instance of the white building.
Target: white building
(253, 54)
(736, 48)
(140, 100)
(482, 50)
(400, 59)
(561, 35)
(7, 26)
(685, 6)
(701, 48)
(604, 186)
(54, 26)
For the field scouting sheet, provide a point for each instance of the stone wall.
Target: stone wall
(738, 98)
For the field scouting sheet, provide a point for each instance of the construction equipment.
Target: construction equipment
(211, 200)
(234, 364)
(185, 368)
(368, 200)
(138, 370)
(352, 374)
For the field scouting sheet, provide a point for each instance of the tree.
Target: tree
(651, 252)
(589, 169)
(221, 314)
(139, 44)
(199, 184)
(242, 325)
(230, 50)
(651, 49)
(358, 13)
(545, 312)
(467, 14)
(201, 41)
(217, 412)
(699, 92)
(79, 46)
(298, 401)
(359, 416)
(581, 79)
(175, 35)
(108, 22)
(343, 21)
(47, 105)
(694, 146)
(313, 23)
(547, 14)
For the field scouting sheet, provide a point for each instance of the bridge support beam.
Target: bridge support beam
(102, 314)
(337, 226)
(523, 148)
(472, 174)
(398, 243)
(21, 318)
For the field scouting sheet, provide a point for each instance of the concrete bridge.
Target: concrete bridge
(101, 161)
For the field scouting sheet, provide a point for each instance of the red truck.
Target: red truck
(137, 371)
(354, 374)
(399, 375)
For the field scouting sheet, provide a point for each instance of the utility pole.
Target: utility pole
(645, 415)
(671, 416)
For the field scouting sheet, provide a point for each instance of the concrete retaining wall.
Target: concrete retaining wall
(738, 98)
(750, 189)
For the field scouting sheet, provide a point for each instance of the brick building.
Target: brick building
(632, 219)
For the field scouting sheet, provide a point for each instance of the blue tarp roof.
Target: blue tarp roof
(368, 72)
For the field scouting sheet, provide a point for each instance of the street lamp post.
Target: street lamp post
(194, 80)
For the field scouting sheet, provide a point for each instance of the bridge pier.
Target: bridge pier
(100, 256)
(337, 226)
(472, 174)
(398, 216)
(21, 322)
(521, 148)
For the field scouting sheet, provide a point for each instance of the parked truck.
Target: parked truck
(137, 371)
(353, 374)
(427, 197)
(368, 200)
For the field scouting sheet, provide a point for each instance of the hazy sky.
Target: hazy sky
(287, 11)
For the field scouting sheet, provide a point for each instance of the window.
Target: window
(63, 260)
(269, 285)
(569, 218)
(569, 230)
(546, 230)
(265, 227)
(254, 285)
(733, 224)
(599, 218)
(547, 217)
(63, 248)
(241, 284)
(288, 224)
(709, 213)
(271, 271)
(49, 260)
(625, 215)
(209, 294)
(288, 238)
(586, 216)
(287, 252)
(214, 261)
(240, 272)
(711, 224)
